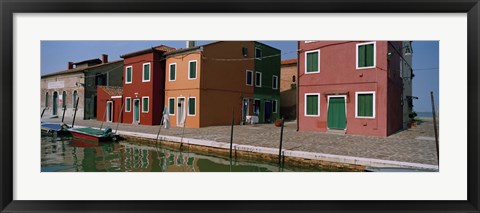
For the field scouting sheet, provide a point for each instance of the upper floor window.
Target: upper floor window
(366, 55)
(172, 72)
(312, 61)
(128, 75)
(249, 78)
(192, 69)
(146, 72)
(274, 82)
(258, 53)
(258, 79)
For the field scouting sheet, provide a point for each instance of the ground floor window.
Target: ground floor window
(256, 105)
(274, 106)
(171, 106)
(365, 104)
(191, 106)
(312, 104)
(128, 103)
(145, 104)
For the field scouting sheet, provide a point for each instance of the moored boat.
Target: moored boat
(91, 134)
(59, 128)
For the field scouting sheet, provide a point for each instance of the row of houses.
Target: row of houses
(354, 87)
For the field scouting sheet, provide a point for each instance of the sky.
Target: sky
(56, 54)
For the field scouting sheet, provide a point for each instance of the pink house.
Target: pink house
(352, 87)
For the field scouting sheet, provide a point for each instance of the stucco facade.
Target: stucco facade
(143, 85)
(221, 84)
(288, 88)
(350, 86)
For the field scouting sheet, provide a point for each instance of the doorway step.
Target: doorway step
(337, 131)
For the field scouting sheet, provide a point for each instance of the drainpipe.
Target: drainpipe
(298, 84)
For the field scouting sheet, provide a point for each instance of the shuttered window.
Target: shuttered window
(171, 106)
(366, 54)
(128, 75)
(145, 104)
(311, 105)
(128, 105)
(172, 72)
(146, 72)
(192, 74)
(365, 105)
(312, 62)
(191, 106)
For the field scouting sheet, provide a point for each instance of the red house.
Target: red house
(143, 85)
(352, 87)
(109, 103)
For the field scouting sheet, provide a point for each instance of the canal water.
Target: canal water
(66, 154)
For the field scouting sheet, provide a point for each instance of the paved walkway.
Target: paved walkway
(412, 145)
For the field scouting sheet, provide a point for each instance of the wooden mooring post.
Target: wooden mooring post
(43, 111)
(231, 132)
(119, 117)
(63, 116)
(435, 126)
(281, 141)
(75, 113)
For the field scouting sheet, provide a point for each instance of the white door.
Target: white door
(109, 111)
(181, 112)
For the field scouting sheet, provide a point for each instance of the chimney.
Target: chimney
(190, 44)
(70, 65)
(104, 58)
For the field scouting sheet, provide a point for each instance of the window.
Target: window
(365, 105)
(244, 51)
(128, 104)
(366, 55)
(145, 101)
(306, 42)
(258, 79)
(128, 75)
(191, 106)
(171, 106)
(192, 69)
(146, 72)
(173, 72)
(249, 78)
(312, 104)
(401, 68)
(312, 61)
(274, 82)
(274, 106)
(75, 94)
(46, 99)
(64, 100)
(258, 53)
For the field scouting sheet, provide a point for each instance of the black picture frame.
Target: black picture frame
(9, 7)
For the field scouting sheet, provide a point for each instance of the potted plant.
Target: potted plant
(413, 121)
(278, 122)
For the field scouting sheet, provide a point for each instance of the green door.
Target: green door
(337, 118)
(136, 110)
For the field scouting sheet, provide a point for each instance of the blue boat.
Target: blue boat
(59, 128)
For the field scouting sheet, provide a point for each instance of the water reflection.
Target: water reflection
(71, 155)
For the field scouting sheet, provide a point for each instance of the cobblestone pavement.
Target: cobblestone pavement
(403, 146)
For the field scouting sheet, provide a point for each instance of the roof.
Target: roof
(96, 60)
(78, 70)
(183, 50)
(161, 48)
(112, 91)
(291, 61)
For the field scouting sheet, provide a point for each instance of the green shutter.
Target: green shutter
(146, 72)
(172, 72)
(365, 105)
(171, 105)
(312, 104)
(193, 69)
(129, 74)
(369, 55)
(361, 56)
(127, 104)
(191, 106)
(312, 62)
(145, 104)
